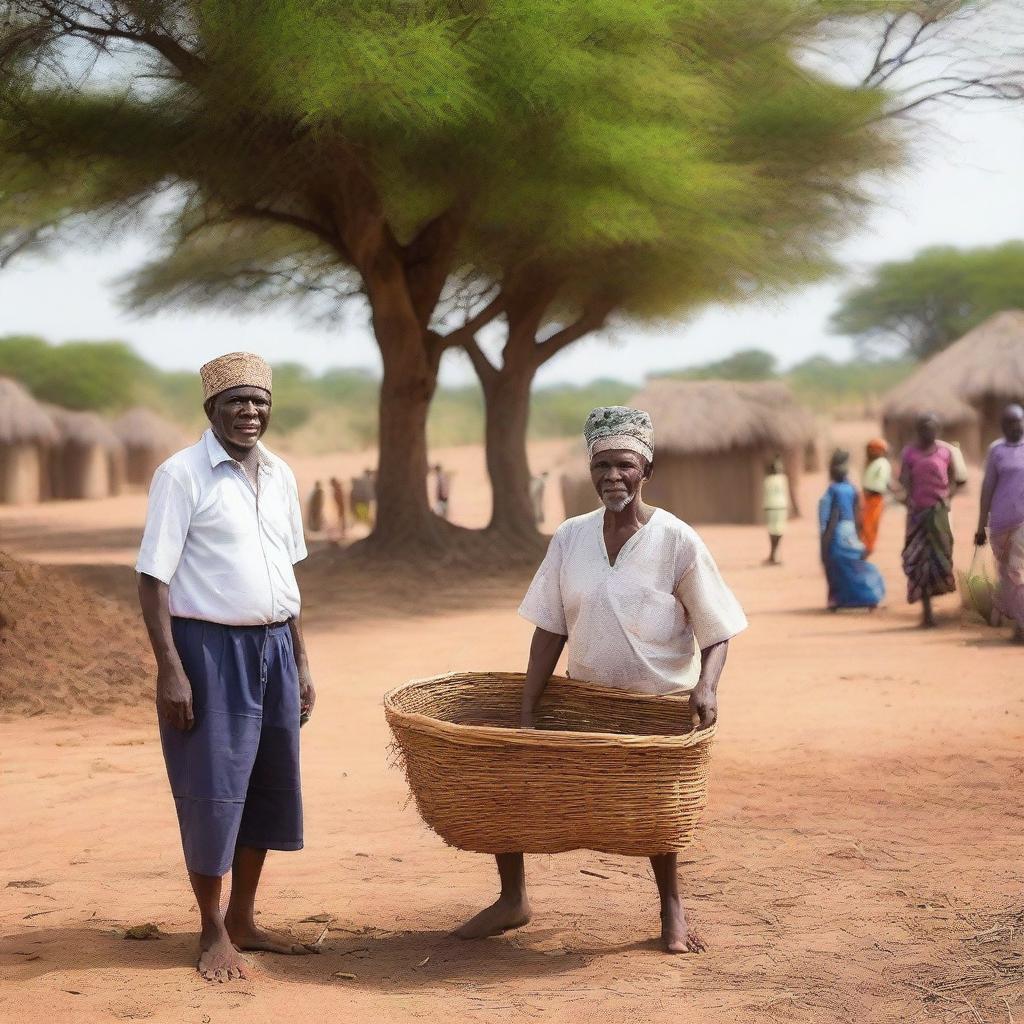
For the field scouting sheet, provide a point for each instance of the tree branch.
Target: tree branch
(186, 62)
(485, 369)
(428, 260)
(467, 331)
(592, 319)
(250, 210)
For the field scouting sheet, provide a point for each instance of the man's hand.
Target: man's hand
(704, 706)
(307, 696)
(981, 537)
(174, 696)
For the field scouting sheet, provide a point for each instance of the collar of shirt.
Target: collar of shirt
(218, 454)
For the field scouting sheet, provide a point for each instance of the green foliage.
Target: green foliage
(78, 374)
(830, 385)
(825, 384)
(662, 153)
(560, 410)
(917, 307)
(338, 410)
(748, 364)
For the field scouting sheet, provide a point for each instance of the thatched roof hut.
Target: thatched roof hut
(26, 433)
(148, 439)
(89, 460)
(713, 440)
(967, 385)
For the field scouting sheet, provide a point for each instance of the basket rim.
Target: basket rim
(481, 735)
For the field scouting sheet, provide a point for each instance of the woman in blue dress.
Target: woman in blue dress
(852, 581)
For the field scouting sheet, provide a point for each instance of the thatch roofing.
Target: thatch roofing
(143, 428)
(707, 416)
(986, 363)
(84, 428)
(22, 418)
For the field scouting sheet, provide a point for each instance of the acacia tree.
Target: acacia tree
(564, 162)
(917, 307)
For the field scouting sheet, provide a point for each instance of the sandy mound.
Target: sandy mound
(65, 648)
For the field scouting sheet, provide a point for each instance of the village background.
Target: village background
(861, 854)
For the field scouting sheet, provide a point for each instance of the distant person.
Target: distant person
(363, 493)
(222, 608)
(315, 509)
(852, 581)
(338, 493)
(1001, 515)
(442, 491)
(875, 486)
(538, 485)
(928, 475)
(776, 507)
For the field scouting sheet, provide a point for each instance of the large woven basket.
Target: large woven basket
(604, 770)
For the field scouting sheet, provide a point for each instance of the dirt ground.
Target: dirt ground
(861, 858)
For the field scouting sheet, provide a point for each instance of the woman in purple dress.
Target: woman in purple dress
(1002, 515)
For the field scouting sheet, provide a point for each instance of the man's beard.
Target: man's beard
(617, 504)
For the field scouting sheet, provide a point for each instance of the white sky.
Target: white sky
(963, 188)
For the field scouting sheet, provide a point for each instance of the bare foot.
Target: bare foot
(499, 917)
(259, 939)
(676, 932)
(219, 960)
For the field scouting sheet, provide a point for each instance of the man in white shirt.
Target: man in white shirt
(222, 607)
(635, 594)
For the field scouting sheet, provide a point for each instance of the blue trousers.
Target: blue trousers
(235, 773)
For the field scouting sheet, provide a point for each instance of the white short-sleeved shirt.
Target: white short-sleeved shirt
(226, 556)
(639, 624)
(877, 474)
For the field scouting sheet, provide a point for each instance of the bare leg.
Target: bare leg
(675, 930)
(218, 958)
(774, 556)
(240, 917)
(510, 910)
(927, 616)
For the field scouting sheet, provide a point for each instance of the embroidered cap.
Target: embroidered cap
(234, 370)
(619, 427)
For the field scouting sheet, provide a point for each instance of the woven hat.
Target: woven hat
(234, 370)
(619, 427)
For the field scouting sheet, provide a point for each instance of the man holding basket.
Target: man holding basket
(635, 594)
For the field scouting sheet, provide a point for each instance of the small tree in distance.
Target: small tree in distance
(916, 307)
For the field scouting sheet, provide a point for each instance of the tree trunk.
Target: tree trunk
(405, 524)
(507, 417)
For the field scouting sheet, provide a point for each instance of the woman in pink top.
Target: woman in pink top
(929, 480)
(1002, 512)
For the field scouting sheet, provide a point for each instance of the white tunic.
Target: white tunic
(226, 556)
(641, 623)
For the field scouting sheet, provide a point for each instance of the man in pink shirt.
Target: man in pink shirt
(929, 479)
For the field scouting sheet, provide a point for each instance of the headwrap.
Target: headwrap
(877, 447)
(619, 427)
(234, 370)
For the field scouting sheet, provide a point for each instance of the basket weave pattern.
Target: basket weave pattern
(604, 770)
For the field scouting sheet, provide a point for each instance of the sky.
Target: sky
(963, 187)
